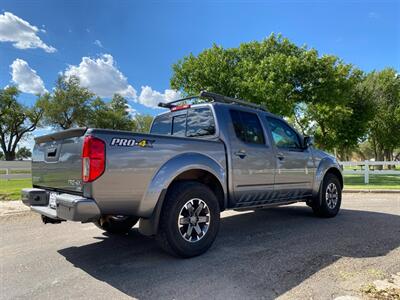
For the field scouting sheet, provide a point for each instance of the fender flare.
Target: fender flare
(152, 201)
(326, 164)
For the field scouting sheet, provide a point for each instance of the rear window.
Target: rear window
(179, 125)
(161, 125)
(194, 122)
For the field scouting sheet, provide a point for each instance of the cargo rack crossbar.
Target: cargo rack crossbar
(213, 97)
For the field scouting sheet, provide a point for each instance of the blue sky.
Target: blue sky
(138, 41)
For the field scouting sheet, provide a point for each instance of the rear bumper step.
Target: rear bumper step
(68, 207)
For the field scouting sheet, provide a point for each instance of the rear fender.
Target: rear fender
(151, 204)
(170, 170)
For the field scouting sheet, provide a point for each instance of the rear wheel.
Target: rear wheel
(189, 220)
(327, 203)
(116, 224)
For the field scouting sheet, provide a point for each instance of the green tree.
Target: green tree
(16, 121)
(321, 94)
(1, 155)
(340, 123)
(267, 72)
(384, 128)
(23, 153)
(68, 105)
(113, 115)
(143, 123)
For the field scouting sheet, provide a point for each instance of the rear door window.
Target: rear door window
(247, 127)
(200, 122)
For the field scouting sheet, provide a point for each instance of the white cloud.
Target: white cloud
(151, 98)
(373, 15)
(22, 34)
(131, 110)
(98, 43)
(102, 77)
(26, 78)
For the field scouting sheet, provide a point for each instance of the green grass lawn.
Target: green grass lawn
(22, 171)
(375, 182)
(11, 189)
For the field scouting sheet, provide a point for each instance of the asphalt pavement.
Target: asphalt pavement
(283, 252)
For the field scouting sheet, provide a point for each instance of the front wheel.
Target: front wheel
(116, 224)
(327, 203)
(189, 220)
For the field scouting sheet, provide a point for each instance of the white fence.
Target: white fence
(24, 166)
(366, 171)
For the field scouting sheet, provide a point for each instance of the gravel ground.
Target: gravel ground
(281, 253)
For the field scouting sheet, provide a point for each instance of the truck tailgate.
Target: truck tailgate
(57, 162)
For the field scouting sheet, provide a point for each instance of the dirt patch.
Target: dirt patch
(12, 207)
(386, 289)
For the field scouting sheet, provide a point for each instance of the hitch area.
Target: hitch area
(46, 220)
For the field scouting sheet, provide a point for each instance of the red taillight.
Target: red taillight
(93, 158)
(180, 107)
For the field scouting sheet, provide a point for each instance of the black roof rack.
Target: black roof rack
(214, 97)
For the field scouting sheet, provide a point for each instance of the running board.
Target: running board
(261, 206)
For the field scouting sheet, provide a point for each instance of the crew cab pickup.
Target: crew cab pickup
(204, 155)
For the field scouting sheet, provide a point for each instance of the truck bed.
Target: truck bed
(132, 160)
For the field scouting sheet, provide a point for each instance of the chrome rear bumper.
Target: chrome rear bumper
(68, 207)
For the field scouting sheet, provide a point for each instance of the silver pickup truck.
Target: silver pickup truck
(198, 160)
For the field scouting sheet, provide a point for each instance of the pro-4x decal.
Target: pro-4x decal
(131, 142)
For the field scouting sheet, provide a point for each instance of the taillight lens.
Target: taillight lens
(93, 158)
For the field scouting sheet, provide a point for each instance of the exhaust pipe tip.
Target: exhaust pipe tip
(46, 220)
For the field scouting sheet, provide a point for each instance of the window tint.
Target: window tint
(200, 122)
(283, 135)
(161, 125)
(247, 127)
(179, 125)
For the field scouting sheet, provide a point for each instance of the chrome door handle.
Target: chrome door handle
(241, 153)
(280, 156)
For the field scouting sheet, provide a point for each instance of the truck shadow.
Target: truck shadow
(262, 253)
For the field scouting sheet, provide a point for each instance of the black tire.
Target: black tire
(325, 205)
(116, 224)
(182, 203)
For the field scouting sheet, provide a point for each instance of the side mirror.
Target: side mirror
(308, 141)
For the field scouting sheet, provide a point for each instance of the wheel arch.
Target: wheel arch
(326, 165)
(205, 177)
(188, 166)
(337, 173)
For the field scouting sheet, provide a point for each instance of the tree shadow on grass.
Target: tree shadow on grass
(257, 254)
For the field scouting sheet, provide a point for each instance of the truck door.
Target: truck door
(252, 160)
(294, 164)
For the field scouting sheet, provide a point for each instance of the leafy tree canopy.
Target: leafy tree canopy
(23, 153)
(320, 93)
(69, 104)
(112, 115)
(16, 121)
(384, 132)
(143, 123)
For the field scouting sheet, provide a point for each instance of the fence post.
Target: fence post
(366, 172)
(7, 172)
